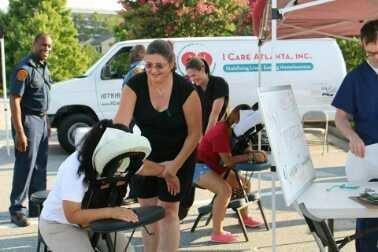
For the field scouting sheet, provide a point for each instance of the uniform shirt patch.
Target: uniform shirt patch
(21, 75)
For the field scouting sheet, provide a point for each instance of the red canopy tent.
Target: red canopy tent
(309, 19)
(332, 18)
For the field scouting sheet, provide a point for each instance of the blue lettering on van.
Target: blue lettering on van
(294, 66)
(246, 67)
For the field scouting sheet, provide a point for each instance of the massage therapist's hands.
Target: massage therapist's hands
(356, 145)
(124, 214)
(170, 177)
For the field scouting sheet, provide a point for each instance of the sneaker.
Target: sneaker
(19, 219)
(252, 223)
(225, 237)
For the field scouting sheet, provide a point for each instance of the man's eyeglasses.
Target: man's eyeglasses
(157, 66)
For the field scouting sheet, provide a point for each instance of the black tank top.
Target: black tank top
(166, 130)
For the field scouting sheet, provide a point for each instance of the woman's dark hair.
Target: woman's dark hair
(236, 110)
(369, 32)
(88, 145)
(197, 64)
(163, 48)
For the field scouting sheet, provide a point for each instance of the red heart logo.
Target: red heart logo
(206, 56)
(186, 57)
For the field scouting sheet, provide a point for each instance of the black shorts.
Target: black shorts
(149, 187)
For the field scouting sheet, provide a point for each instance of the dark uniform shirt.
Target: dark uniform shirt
(358, 96)
(31, 80)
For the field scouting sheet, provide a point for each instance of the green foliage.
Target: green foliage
(25, 19)
(92, 53)
(352, 51)
(182, 18)
(95, 24)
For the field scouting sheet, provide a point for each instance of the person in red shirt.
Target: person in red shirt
(214, 158)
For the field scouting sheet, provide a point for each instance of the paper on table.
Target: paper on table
(362, 169)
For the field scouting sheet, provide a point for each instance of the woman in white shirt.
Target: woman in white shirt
(62, 217)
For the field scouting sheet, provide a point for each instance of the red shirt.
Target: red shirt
(215, 141)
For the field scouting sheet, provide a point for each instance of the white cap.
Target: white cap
(115, 142)
(248, 119)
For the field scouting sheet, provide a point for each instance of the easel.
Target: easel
(297, 174)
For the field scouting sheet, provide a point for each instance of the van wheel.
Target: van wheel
(67, 127)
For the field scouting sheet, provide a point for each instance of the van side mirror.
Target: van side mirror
(106, 72)
(255, 106)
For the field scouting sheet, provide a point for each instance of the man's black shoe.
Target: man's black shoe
(19, 219)
(33, 211)
(33, 214)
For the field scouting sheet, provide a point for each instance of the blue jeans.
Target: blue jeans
(202, 168)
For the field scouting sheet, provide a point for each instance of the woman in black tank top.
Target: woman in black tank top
(168, 113)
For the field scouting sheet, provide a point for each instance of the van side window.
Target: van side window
(117, 66)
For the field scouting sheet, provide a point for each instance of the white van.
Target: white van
(314, 67)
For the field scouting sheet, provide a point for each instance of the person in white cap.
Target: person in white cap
(62, 218)
(215, 156)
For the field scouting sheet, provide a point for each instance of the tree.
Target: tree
(90, 25)
(352, 51)
(181, 18)
(25, 19)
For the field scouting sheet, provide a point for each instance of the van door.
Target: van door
(109, 85)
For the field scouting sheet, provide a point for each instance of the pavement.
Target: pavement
(292, 233)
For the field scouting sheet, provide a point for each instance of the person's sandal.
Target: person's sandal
(226, 237)
(252, 223)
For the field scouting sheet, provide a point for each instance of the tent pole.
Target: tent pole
(5, 99)
(259, 44)
(274, 38)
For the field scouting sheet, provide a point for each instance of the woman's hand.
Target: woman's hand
(170, 177)
(257, 156)
(124, 214)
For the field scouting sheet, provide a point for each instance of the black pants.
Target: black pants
(369, 242)
(29, 173)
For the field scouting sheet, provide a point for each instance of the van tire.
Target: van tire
(67, 126)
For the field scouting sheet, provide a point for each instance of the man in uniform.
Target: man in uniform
(357, 97)
(30, 87)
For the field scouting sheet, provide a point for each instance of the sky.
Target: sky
(84, 5)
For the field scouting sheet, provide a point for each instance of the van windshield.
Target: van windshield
(90, 70)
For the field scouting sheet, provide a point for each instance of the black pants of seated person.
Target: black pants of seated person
(369, 242)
